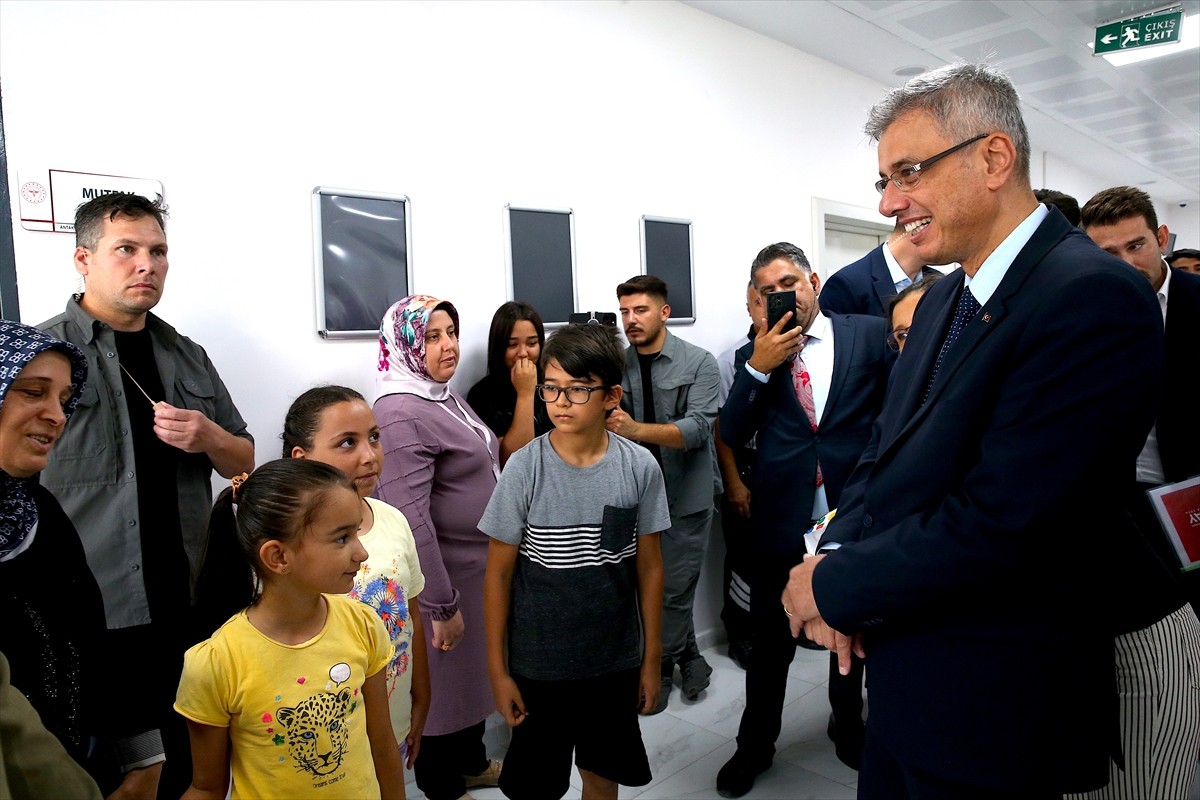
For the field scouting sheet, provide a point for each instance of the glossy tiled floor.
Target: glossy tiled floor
(690, 741)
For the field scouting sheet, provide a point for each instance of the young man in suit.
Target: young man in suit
(809, 395)
(979, 550)
(1122, 221)
(1158, 635)
(869, 284)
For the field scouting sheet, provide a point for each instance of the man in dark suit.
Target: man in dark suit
(869, 284)
(978, 549)
(1158, 642)
(810, 395)
(1068, 205)
(1122, 221)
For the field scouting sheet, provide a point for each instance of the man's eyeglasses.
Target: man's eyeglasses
(906, 178)
(577, 395)
(896, 338)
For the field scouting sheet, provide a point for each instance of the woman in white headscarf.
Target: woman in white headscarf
(440, 467)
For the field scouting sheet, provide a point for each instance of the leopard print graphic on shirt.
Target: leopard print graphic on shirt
(317, 731)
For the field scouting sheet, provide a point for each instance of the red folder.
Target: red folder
(1178, 509)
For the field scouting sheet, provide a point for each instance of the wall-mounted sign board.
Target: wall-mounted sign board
(667, 254)
(363, 259)
(541, 260)
(49, 197)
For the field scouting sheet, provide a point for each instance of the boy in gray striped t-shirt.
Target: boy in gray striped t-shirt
(573, 591)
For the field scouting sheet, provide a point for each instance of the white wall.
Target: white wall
(1052, 172)
(613, 109)
(1049, 171)
(1184, 222)
(616, 110)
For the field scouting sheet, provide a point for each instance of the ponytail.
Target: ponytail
(228, 581)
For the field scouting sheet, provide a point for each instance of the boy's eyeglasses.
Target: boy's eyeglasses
(577, 395)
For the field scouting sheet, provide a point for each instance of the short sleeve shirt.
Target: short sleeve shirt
(387, 582)
(574, 610)
(295, 713)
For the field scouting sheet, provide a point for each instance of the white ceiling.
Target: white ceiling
(1138, 125)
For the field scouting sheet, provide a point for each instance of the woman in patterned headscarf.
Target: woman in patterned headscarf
(439, 469)
(49, 602)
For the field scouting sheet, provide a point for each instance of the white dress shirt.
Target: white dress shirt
(818, 358)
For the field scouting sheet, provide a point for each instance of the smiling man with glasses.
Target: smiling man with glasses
(906, 178)
(976, 556)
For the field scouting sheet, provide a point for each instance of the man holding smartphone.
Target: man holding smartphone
(809, 386)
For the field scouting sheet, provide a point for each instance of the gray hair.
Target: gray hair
(964, 101)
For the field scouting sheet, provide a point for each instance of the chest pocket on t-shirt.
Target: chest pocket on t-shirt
(618, 529)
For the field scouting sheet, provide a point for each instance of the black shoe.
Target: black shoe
(695, 673)
(739, 651)
(737, 776)
(847, 745)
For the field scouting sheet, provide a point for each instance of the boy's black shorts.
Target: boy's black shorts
(595, 717)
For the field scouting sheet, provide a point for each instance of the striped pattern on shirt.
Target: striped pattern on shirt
(571, 547)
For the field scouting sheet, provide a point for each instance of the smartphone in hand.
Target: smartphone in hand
(778, 304)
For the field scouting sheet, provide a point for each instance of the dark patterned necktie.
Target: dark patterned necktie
(968, 307)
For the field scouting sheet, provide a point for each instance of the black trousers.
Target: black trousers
(884, 777)
(159, 648)
(766, 678)
(444, 760)
(846, 701)
(738, 532)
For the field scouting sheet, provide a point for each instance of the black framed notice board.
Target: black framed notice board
(667, 254)
(363, 258)
(541, 260)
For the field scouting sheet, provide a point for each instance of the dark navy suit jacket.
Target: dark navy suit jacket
(784, 478)
(1179, 417)
(1178, 425)
(981, 532)
(864, 287)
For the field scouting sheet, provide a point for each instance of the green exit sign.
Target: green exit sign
(1146, 31)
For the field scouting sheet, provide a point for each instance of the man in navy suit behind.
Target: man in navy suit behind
(805, 451)
(868, 285)
(979, 548)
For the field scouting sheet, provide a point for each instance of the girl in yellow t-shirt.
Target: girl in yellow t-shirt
(290, 694)
(335, 425)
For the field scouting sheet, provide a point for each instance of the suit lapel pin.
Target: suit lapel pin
(987, 316)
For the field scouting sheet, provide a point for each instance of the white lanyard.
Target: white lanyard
(479, 430)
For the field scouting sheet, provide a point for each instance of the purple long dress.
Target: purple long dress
(438, 471)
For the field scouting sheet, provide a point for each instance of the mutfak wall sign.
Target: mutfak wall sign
(49, 197)
(1162, 27)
